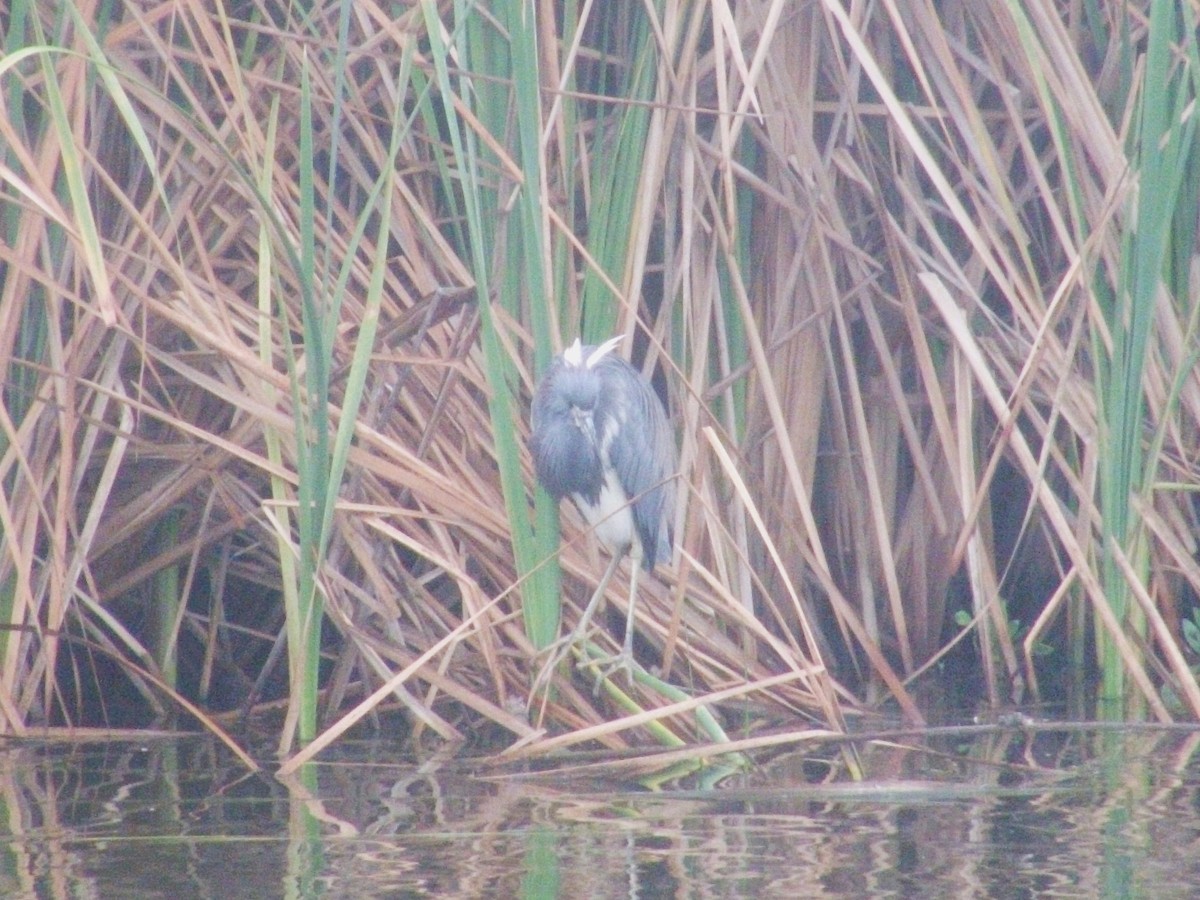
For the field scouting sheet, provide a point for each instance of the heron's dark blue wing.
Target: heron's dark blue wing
(642, 452)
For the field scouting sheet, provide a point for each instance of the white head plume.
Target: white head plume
(573, 355)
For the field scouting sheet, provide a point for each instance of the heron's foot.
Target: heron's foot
(555, 653)
(607, 666)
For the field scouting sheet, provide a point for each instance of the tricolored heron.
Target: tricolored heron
(600, 437)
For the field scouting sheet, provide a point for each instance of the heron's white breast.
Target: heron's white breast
(610, 515)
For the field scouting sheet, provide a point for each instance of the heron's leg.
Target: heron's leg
(580, 629)
(562, 646)
(633, 580)
(623, 660)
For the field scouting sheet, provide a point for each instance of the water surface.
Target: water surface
(1099, 813)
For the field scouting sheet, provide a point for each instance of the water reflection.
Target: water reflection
(1022, 814)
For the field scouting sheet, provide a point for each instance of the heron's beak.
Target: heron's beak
(582, 419)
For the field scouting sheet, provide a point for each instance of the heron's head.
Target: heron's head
(575, 394)
(572, 421)
(576, 389)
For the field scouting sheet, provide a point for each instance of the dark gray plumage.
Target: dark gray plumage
(600, 437)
